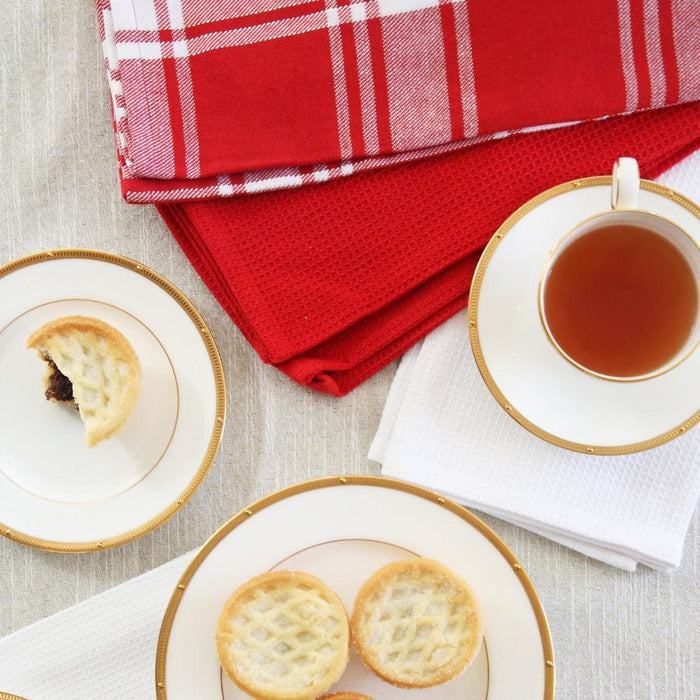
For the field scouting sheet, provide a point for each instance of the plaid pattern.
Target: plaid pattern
(213, 98)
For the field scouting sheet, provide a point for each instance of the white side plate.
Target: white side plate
(55, 493)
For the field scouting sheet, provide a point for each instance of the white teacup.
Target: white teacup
(641, 259)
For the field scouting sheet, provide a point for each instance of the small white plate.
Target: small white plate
(342, 529)
(57, 494)
(533, 382)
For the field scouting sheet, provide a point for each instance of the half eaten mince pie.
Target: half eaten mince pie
(92, 364)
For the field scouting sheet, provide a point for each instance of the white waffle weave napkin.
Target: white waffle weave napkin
(101, 649)
(621, 510)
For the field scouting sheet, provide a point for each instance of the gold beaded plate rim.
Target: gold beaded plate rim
(219, 383)
(473, 327)
(338, 482)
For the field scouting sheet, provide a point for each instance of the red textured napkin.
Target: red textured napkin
(330, 282)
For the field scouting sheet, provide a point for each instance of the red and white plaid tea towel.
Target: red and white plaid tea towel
(223, 97)
(332, 281)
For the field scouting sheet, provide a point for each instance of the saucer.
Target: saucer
(57, 494)
(540, 389)
(342, 529)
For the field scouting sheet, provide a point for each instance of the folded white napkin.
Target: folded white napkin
(101, 649)
(441, 428)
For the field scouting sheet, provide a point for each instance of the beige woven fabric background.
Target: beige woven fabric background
(616, 635)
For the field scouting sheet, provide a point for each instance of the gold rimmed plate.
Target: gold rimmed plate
(342, 529)
(57, 494)
(532, 381)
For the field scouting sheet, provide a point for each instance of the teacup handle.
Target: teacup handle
(625, 184)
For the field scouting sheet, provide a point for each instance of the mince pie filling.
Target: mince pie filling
(58, 387)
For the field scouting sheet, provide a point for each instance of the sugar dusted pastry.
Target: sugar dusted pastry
(346, 696)
(416, 624)
(92, 364)
(283, 635)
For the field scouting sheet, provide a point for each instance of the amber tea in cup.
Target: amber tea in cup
(621, 300)
(619, 295)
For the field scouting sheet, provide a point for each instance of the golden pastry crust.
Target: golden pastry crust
(101, 365)
(346, 696)
(283, 635)
(416, 624)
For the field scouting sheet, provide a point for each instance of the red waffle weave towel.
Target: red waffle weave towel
(332, 281)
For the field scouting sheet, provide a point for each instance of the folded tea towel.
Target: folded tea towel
(442, 428)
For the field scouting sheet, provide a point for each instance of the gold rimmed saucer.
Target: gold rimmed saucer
(547, 395)
(57, 495)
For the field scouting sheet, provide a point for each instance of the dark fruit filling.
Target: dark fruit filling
(59, 387)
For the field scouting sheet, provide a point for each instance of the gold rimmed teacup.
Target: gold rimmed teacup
(636, 224)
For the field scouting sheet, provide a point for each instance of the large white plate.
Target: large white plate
(531, 380)
(57, 494)
(342, 529)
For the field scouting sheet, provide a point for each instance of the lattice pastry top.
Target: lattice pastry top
(283, 635)
(94, 365)
(416, 623)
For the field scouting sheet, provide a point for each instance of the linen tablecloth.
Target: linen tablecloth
(616, 634)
